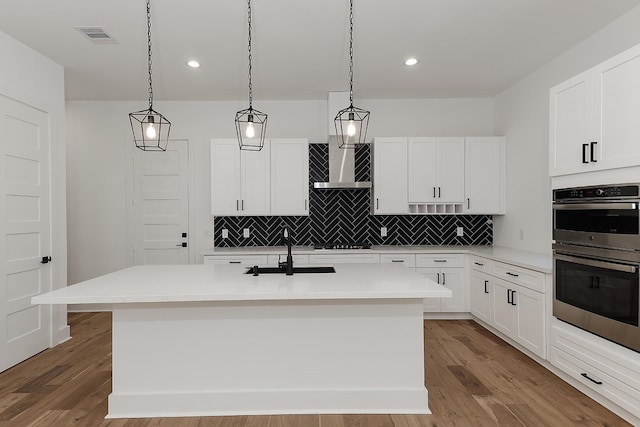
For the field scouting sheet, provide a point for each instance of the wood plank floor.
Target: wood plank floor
(473, 378)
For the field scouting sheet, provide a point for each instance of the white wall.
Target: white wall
(522, 115)
(99, 148)
(32, 79)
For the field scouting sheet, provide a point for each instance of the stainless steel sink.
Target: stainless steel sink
(296, 270)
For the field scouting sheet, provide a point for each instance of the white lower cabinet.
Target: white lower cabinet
(447, 270)
(245, 260)
(510, 306)
(481, 294)
(607, 368)
(342, 258)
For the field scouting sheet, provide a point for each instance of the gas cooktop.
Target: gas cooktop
(352, 245)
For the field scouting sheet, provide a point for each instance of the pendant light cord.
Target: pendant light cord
(149, 53)
(351, 53)
(250, 85)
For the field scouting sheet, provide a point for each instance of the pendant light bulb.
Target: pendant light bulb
(150, 131)
(351, 128)
(250, 132)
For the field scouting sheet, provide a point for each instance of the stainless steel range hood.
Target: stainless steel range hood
(341, 169)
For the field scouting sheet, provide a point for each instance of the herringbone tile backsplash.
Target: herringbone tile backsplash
(343, 216)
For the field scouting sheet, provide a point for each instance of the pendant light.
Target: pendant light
(251, 124)
(351, 122)
(150, 128)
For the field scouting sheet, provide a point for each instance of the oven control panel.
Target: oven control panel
(597, 192)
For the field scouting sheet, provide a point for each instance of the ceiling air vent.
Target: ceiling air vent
(96, 35)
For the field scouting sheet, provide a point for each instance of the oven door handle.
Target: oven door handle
(595, 206)
(596, 263)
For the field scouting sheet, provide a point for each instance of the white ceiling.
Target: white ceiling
(466, 48)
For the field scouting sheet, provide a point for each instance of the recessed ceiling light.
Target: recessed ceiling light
(411, 61)
(193, 64)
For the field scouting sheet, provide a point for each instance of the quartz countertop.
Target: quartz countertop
(526, 259)
(199, 283)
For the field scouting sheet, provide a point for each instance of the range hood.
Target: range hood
(341, 169)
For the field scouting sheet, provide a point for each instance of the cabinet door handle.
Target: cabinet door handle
(438, 274)
(593, 153)
(486, 282)
(242, 204)
(478, 263)
(513, 297)
(508, 296)
(468, 203)
(305, 204)
(438, 192)
(237, 205)
(444, 279)
(512, 274)
(434, 192)
(377, 203)
(584, 374)
(584, 153)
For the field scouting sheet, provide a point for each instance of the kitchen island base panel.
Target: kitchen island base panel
(268, 357)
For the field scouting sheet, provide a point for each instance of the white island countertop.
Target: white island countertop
(197, 283)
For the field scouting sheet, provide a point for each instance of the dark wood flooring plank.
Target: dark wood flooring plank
(469, 381)
(43, 379)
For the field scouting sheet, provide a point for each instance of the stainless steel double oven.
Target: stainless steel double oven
(596, 232)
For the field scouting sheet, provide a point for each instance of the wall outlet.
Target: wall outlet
(383, 231)
(225, 233)
(246, 233)
(460, 231)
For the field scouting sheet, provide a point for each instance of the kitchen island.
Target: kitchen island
(201, 340)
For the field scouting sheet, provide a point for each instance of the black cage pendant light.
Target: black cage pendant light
(150, 128)
(251, 124)
(351, 122)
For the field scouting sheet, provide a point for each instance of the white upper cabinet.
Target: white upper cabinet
(593, 118)
(289, 177)
(436, 170)
(484, 175)
(571, 126)
(225, 177)
(240, 180)
(390, 176)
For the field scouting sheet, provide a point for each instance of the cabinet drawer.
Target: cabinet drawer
(242, 259)
(481, 264)
(344, 259)
(533, 280)
(297, 259)
(408, 260)
(612, 388)
(440, 261)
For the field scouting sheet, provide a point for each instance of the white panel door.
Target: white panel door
(289, 177)
(25, 230)
(161, 205)
(451, 170)
(423, 172)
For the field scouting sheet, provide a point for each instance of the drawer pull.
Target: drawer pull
(235, 262)
(584, 374)
(439, 260)
(438, 278)
(397, 260)
(512, 274)
(478, 263)
(485, 286)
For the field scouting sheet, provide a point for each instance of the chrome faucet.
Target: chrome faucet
(286, 235)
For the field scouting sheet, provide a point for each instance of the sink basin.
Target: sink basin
(296, 270)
